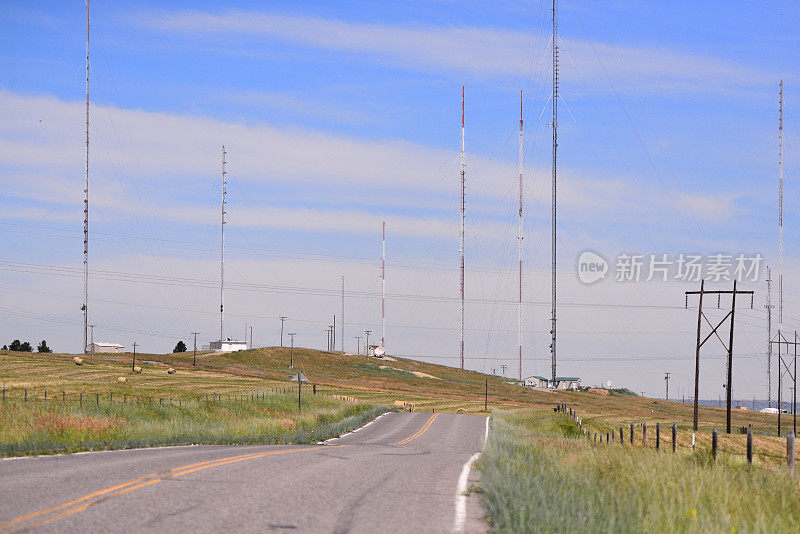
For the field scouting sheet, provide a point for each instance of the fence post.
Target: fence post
(45, 397)
(644, 434)
(658, 436)
(4, 391)
(613, 437)
(674, 437)
(606, 438)
(63, 397)
(621, 437)
(26, 394)
(790, 451)
(713, 443)
(749, 445)
(81, 401)
(631, 433)
(110, 397)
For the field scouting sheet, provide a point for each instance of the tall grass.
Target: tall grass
(70, 427)
(540, 475)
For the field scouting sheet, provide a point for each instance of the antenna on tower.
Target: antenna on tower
(85, 307)
(780, 208)
(555, 154)
(519, 238)
(383, 289)
(463, 220)
(222, 253)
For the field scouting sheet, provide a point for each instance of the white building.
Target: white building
(562, 382)
(228, 345)
(102, 346)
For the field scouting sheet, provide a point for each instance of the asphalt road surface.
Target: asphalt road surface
(404, 472)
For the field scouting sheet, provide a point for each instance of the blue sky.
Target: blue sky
(339, 115)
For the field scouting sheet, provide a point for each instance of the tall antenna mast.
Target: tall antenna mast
(769, 307)
(519, 239)
(780, 209)
(555, 154)
(463, 220)
(222, 253)
(383, 289)
(85, 306)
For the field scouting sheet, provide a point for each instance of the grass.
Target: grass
(539, 474)
(69, 427)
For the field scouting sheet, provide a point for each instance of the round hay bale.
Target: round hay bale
(171, 371)
(137, 370)
(78, 360)
(122, 380)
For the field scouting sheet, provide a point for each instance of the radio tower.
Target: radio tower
(85, 307)
(463, 220)
(780, 208)
(222, 253)
(383, 289)
(769, 307)
(555, 154)
(519, 239)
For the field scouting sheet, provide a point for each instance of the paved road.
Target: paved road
(400, 473)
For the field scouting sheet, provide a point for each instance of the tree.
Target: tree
(180, 347)
(26, 347)
(42, 347)
(15, 345)
(5, 347)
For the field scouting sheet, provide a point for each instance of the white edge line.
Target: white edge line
(461, 487)
(353, 431)
(461, 497)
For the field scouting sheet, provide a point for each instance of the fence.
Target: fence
(612, 438)
(24, 396)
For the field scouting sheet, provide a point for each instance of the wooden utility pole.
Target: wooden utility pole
(133, 364)
(666, 378)
(728, 347)
(194, 357)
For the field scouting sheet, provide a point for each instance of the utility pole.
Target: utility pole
(291, 361)
(520, 237)
(553, 208)
(769, 307)
(783, 370)
(666, 378)
(194, 357)
(463, 223)
(383, 288)
(85, 306)
(283, 318)
(91, 326)
(367, 333)
(780, 207)
(358, 344)
(728, 347)
(134, 356)
(342, 315)
(333, 335)
(251, 336)
(222, 255)
(504, 367)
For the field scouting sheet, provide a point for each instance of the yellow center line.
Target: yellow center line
(420, 431)
(126, 487)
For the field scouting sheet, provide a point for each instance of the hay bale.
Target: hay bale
(77, 360)
(461, 411)
(171, 371)
(137, 370)
(122, 380)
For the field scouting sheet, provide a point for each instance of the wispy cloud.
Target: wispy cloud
(479, 52)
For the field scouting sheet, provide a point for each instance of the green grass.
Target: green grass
(36, 428)
(539, 474)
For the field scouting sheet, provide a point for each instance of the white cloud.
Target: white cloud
(478, 51)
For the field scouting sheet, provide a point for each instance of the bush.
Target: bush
(42, 347)
(180, 347)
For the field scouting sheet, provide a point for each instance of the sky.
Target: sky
(337, 116)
